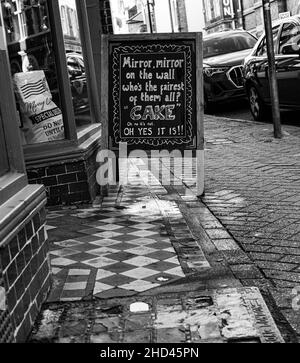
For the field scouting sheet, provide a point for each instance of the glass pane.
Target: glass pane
(3, 155)
(33, 67)
(75, 63)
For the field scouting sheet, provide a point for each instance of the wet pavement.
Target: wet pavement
(124, 245)
(150, 242)
(224, 316)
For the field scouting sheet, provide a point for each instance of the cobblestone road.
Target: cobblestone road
(253, 188)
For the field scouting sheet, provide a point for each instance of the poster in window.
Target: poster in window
(41, 118)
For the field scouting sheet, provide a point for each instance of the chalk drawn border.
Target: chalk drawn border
(117, 52)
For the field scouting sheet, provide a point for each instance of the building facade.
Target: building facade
(221, 15)
(252, 14)
(247, 14)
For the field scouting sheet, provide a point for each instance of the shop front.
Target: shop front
(24, 268)
(49, 138)
(56, 93)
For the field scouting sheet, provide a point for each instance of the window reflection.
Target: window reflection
(75, 62)
(33, 67)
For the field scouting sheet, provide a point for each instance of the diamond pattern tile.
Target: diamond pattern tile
(64, 252)
(143, 233)
(142, 250)
(68, 243)
(99, 288)
(62, 262)
(105, 242)
(144, 226)
(140, 272)
(109, 227)
(100, 262)
(102, 251)
(139, 285)
(142, 241)
(141, 261)
(103, 274)
(120, 248)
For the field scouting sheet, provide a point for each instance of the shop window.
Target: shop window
(76, 64)
(52, 72)
(34, 70)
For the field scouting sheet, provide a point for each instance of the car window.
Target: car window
(262, 48)
(227, 43)
(290, 35)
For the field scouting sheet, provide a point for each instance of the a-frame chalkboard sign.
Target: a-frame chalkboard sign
(152, 92)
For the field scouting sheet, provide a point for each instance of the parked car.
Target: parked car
(224, 54)
(77, 75)
(286, 36)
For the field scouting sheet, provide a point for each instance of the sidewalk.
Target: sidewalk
(161, 248)
(253, 189)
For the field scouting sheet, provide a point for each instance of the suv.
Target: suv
(77, 75)
(224, 54)
(286, 36)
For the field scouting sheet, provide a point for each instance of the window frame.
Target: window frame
(263, 42)
(4, 164)
(14, 179)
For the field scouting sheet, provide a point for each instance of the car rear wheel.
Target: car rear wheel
(257, 107)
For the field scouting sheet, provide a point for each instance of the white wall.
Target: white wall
(194, 11)
(162, 16)
(195, 16)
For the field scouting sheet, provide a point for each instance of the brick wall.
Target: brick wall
(26, 275)
(6, 327)
(253, 16)
(69, 183)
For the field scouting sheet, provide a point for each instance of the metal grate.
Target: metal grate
(236, 76)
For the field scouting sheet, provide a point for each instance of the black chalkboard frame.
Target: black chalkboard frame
(107, 44)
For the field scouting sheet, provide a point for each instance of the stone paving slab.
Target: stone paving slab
(236, 315)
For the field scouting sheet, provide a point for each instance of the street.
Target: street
(240, 110)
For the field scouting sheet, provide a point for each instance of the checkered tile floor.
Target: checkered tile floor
(119, 249)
